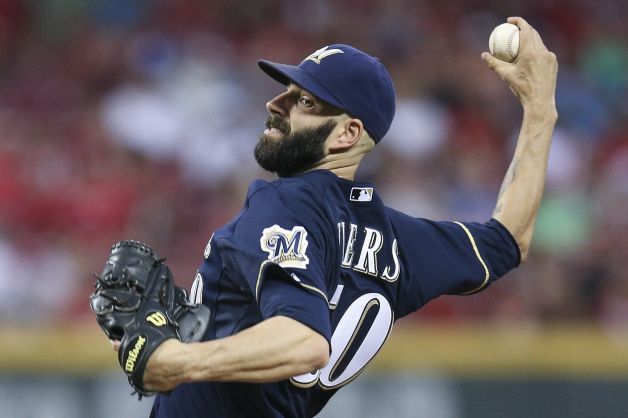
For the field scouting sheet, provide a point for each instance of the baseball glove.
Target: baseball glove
(135, 301)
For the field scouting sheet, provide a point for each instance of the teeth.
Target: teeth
(274, 131)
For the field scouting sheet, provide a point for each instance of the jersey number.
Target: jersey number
(343, 343)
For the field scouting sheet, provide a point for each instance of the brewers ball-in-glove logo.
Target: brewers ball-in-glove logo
(286, 247)
(319, 54)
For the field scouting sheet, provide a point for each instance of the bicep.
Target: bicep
(455, 257)
(286, 294)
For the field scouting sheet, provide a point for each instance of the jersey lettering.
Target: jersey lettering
(208, 248)
(196, 292)
(347, 246)
(387, 275)
(368, 257)
(333, 302)
(367, 263)
(350, 325)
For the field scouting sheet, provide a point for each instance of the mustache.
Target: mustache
(274, 121)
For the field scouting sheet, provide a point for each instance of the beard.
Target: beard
(295, 151)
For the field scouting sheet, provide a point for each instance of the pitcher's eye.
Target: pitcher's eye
(306, 101)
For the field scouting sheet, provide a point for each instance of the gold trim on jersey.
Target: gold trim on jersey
(317, 290)
(299, 282)
(306, 385)
(477, 254)
(259, 278)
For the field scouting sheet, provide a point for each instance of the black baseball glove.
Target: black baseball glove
(136, 302)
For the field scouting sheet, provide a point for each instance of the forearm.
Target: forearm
(522, 188)
(275, 349)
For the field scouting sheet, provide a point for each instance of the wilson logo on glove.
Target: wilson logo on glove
(134, 353)
(136, 301)
(158, 319)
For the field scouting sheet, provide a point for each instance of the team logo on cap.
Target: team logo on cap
(323, 53)
(361, 194)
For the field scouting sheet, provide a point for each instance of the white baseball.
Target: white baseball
(504, 42)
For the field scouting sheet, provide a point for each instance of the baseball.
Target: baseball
(504, 42)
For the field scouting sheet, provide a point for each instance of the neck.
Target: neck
(344, 163)
(344, 168)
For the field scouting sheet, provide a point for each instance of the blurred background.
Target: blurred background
(137, 119)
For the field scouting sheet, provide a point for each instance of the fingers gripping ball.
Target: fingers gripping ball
(504, 42)
(136, 301)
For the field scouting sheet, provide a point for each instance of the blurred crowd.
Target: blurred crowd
(137, 119)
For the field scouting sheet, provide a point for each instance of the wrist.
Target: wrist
(181, 362)
(167, 364)
(541, 111)
(191, 362)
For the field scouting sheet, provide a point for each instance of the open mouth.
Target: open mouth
(276, 126)
(273, 131)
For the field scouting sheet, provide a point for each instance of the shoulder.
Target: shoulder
(305, 189)
(400, 220)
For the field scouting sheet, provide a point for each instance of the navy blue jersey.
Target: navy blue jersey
(326, 252)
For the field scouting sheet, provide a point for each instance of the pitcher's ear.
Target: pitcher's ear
(348, 133)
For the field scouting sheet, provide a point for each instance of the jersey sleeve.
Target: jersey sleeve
(451, 258)
(278, 246)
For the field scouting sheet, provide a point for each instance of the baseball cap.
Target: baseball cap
(346, 78)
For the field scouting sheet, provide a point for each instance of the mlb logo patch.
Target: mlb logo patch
(361, 194)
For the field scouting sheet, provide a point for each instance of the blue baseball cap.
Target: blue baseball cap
(346, 78)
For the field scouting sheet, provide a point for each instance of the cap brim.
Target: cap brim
(285, 74)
